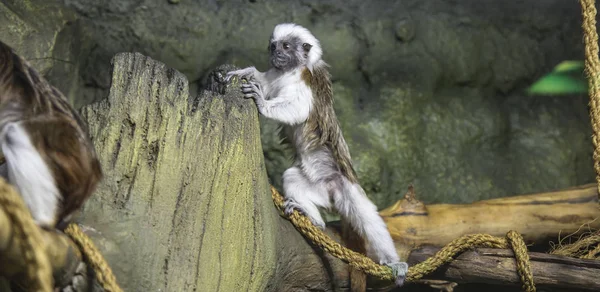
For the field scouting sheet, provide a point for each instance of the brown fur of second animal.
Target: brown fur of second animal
(36, 121)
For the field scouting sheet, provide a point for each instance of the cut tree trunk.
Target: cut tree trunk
(185, 203)
(183, 194)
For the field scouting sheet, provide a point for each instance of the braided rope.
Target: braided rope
(592, 68)
(32, 245)
(360, 262)
(104, 274)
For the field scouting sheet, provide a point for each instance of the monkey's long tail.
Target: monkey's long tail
(351, 239)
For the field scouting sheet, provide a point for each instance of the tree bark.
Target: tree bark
(183, 200)
(498, 266)
(539, 218)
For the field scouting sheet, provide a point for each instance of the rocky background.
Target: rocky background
(428, 92)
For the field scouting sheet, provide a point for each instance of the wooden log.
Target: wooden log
(498, 266)
(538, 217)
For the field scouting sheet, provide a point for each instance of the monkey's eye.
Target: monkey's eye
(272, 46)
(286, 46)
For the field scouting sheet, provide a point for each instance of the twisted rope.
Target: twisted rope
(104, 274)
(592, 69)
(358, 261)
(31, 243)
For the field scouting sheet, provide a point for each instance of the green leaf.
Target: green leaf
(566, 78)
(559, 83)
(569, 66)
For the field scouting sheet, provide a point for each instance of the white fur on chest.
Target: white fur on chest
(292, 98)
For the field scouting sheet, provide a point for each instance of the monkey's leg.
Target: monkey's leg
(303, 196)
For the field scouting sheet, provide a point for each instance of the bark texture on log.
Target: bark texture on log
(537, 217)
(183, 205)
(498, 266)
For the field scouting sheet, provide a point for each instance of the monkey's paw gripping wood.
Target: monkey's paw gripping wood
(513, 240)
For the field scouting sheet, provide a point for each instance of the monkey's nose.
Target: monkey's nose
(279, 53)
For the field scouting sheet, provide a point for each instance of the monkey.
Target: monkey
(296, 91)
(49, 156)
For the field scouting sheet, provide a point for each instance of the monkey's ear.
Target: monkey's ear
(306, 47)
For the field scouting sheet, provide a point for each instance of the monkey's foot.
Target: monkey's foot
(242, 73)
(290, 205)
(399, 269)
(252, 90)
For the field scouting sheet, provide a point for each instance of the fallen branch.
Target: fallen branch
(539, 218)
(497, 266)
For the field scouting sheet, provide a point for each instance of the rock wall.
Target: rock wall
(428, 92)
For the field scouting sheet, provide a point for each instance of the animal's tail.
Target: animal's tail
(351, 239)
(364, 227)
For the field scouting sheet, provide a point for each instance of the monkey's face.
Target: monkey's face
(288, 54)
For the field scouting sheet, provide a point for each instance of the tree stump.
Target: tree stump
(185, 204)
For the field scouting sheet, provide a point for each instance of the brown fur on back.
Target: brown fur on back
(323, 129)
(54, 127)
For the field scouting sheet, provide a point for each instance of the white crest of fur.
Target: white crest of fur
(284, 30)
(28, 172)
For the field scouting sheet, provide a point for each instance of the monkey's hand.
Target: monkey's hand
(399, 269)
(246, 73)
(290, 205)
(253, 90)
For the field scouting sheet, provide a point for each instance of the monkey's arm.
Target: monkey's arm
(248, 73)
(289, 107)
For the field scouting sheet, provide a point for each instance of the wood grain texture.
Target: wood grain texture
(497, 266)
(185, 200)
(539, 218)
